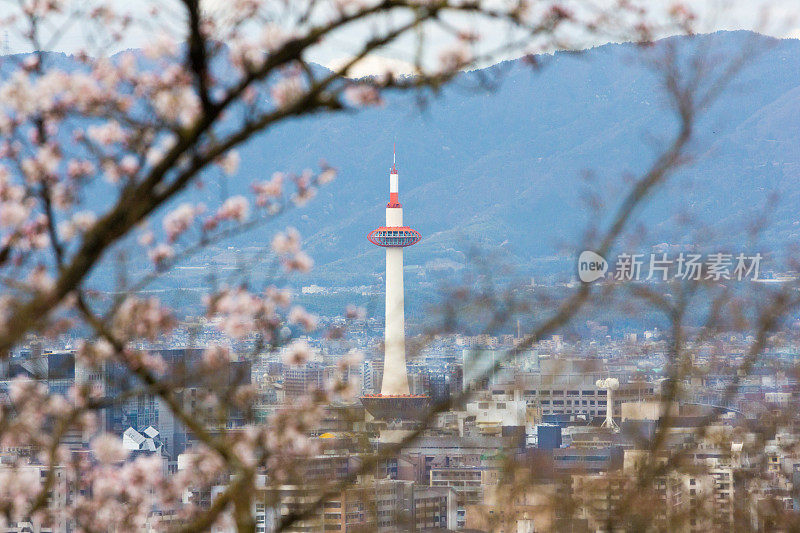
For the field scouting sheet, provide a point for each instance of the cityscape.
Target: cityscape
(567, 300)
(566, 416)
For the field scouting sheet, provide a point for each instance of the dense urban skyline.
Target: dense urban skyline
(583, 316)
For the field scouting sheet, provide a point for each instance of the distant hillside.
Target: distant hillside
(502, 169)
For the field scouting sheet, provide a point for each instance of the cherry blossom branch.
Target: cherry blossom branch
(161, 388)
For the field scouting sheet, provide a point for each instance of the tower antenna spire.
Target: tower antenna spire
(394, 158)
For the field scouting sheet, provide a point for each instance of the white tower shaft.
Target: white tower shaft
(395, 375)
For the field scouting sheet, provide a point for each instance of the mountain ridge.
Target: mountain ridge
(503, 170)
(597, 120)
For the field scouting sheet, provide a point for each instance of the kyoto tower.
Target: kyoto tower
(395, 400)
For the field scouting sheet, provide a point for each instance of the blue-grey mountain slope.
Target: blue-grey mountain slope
(503, 169)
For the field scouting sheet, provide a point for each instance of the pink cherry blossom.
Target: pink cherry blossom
(161, 253)
(234, 208)
(216, 357)
(268, 190)
(12, 213)
(40, 279)
(229, 162)
(363, 96)
(146, 238)
(352, 358)
(287, 90)
(108, 133)
(108, 449)
(353, 312)
(287, 242)
(95, 353)
(297, 353)
(84, 220)
(278, 297)
(300, 262)
(326, 176)
(80, 222)
(129, 165)
(298, 315)
(142, 318)
(162, 45)
(455, 58)
(177, 221)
